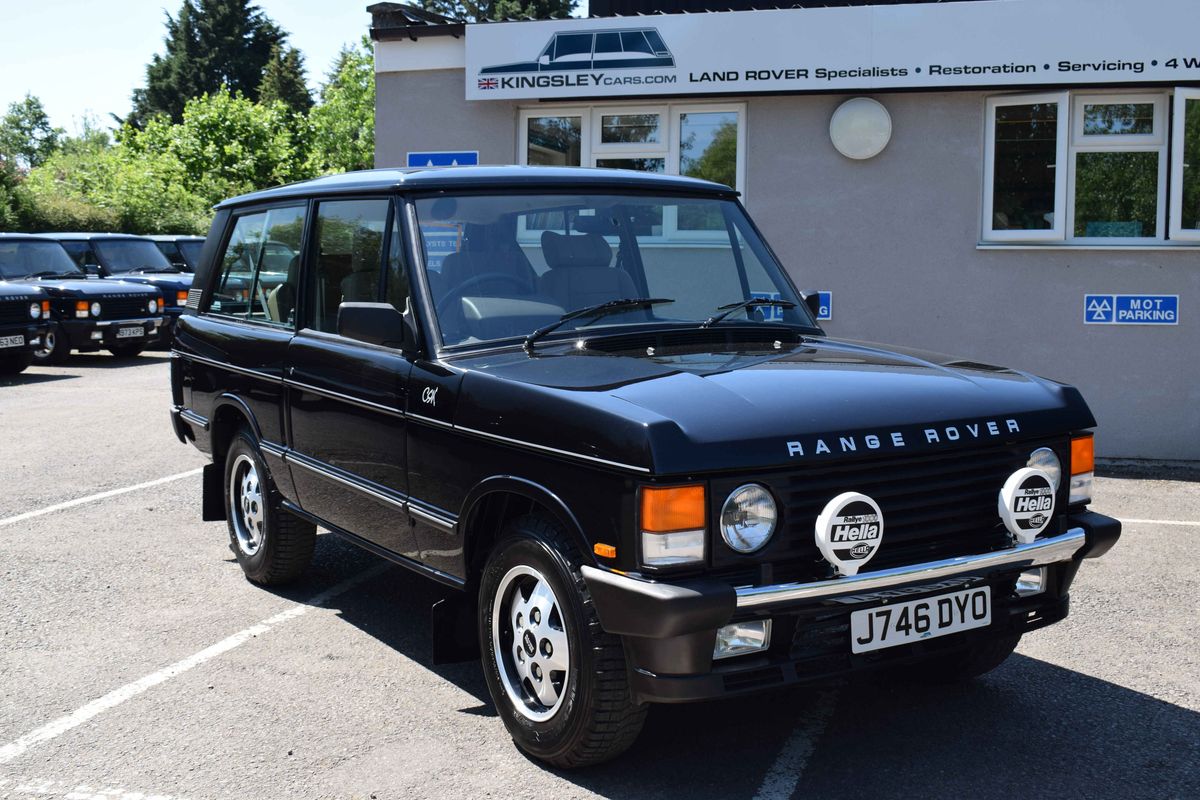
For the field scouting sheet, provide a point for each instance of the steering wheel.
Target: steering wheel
(457, 292)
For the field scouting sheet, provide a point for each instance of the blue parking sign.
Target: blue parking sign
(1131, 309)
(444, 158)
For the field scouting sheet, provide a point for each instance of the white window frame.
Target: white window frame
(1179, 232)
(1118, 143)
(603, 149)
(1057, 231)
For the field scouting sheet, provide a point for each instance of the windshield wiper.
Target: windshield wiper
(735, 307)
(596, 312)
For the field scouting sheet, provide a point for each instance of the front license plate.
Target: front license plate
(901, 623)
(12, 341)
(131, 333)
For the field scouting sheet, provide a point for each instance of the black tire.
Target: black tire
(14, 365)
(285, 542)
(56, 348)
(596, 718)
(127, 350)
(964, 665)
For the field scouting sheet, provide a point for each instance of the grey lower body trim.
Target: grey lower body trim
(300, 461)
(194, 418)
(1051, 550)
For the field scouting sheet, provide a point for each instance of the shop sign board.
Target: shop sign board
(862, 48)
(1131, 309)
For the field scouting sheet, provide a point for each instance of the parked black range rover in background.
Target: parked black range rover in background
(136, 259)
(182, 251)
(86, 314)
(593, 401)
(24, 310)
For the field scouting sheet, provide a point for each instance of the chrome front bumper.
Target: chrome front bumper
(1051, 550)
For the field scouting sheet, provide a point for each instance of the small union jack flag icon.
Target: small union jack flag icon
(489, 83)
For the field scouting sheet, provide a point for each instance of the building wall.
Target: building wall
(895, 239)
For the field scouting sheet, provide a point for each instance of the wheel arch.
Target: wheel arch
(490, 504)
(230, 412)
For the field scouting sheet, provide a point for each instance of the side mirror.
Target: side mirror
(812, 300)
(374, 323)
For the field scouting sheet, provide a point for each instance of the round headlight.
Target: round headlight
(95, 309)
(1044, 459)
(748, 518)
(35, 310)
(152, 306)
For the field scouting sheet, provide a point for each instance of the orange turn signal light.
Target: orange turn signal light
(1083, 454)
(81, 305)
(672, 508)
(45, 309)
(604, 550)
(181, 298)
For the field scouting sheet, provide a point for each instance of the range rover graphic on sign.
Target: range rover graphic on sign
(624, 49)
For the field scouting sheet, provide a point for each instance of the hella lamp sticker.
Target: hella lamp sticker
(849, 531)
(1026, 503)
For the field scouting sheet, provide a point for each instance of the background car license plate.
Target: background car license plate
(12, 341)
(130, 333)
(901, 623)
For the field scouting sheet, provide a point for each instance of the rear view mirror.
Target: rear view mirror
(374, 323)
(91, 269)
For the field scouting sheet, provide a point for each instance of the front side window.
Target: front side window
(511, 275)
(1082, 168)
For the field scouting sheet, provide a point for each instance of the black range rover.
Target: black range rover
(593, 402)
(85, 314)
(134, 259)
(24, 310)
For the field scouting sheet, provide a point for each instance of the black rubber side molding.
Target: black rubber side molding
(630, 607)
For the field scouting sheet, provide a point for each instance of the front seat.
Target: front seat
(580, 274)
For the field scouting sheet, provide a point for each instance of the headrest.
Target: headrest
(563, 252)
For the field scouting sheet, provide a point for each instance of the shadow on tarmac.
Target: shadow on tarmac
(1028, 729)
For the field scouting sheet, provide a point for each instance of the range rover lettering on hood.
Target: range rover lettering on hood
(896, 440)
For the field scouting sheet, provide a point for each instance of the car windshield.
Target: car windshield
(191, 253)
(502, 266)
(125, 255)
(20, 259)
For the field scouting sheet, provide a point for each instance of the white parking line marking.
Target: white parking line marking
(91, 498)
(68, 791)
(114, 698)
(783, 778)
(1159, 522)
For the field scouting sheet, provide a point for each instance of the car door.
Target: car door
(236, 346)
(346, 399)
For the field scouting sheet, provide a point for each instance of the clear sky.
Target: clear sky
(87, 56)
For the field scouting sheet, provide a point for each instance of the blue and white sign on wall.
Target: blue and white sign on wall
(775, 314)
(1131, 309)
(444, 158)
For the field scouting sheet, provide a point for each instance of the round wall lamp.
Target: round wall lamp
(860, 128)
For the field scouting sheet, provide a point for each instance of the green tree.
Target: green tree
(478, 10)
(209, 44)
(283, 80)
(343, 122)
(26, 136)
(227, 144)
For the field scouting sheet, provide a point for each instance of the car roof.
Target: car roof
(72, 235)
(172, 237)
(471, 178)
(21, 237)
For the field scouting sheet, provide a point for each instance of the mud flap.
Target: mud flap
(212, 503)
(454, 635)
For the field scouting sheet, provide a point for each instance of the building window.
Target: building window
(1089, 168)
(701, 141)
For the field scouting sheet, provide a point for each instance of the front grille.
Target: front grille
(934, 506)
(123, 307)
(14, 311)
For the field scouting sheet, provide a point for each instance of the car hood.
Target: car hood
(172, 281)
(695, 409)
(20, 291)
(97, 289)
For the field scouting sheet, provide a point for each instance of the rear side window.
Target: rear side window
(260, 267)
(348, 242)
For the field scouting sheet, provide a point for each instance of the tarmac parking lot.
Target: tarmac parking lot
(137, 663)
